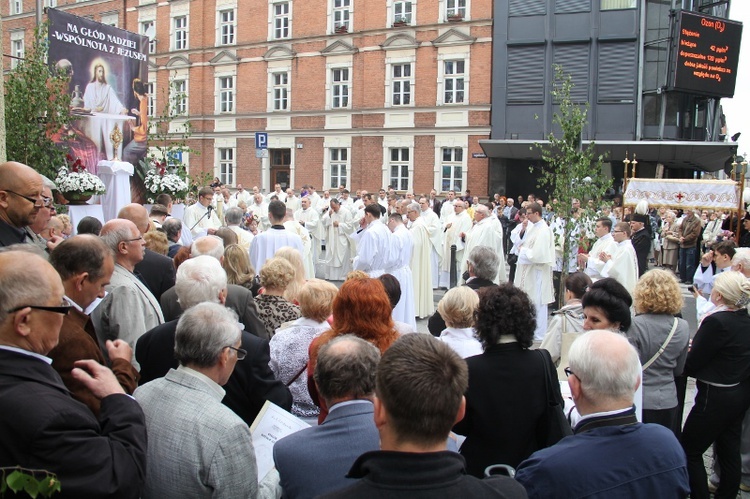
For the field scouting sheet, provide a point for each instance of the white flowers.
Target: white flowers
(81, 181)
(169, 183)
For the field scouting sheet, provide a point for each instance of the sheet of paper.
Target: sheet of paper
(271, 424)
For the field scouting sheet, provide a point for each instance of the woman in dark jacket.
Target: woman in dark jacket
(506, 400)
(719, 360)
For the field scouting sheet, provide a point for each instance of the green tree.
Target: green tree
(37, 105)
(571, 171)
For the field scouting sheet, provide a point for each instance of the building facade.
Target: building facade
(362, 93)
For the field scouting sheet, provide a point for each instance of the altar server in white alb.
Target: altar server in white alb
(201, 218)
(373, 243)
(309, 218)
(435, 228)
(486, 231)
(266, 243)
(454, 226)
(337, 225)
(399, 266)
(622, 265)
(424, 304)
(605, 243)
(294, 227)
(536, 256)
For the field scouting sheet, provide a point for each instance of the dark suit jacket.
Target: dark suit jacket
(436, 323)
(239, 299)
(44, 428)
(346, 433)
(156, 272)
(77, 342)
(10, 235)
(505, 405)
(250, 385)
(641, 242)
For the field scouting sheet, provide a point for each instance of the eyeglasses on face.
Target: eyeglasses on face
(62, 309)
(241, 353)
(44, 202)
(139, 238)
(569, 373)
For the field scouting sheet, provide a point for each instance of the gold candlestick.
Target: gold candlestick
(116, 138)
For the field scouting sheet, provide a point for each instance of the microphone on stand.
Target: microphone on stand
(207, 214)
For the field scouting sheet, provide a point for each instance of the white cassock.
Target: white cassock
(623, 266)
(447, 209)
(424, 303)
(197, 220)
(486, 233)
(307, 253)
(337, 259)
(266, 243)
(704, 280)
(292, 203)
(594, 265)
(373, 249)
(435, 228)
(402, 246)
(260, 211)
(311, 218)
(384, 203)
(534, 271)
(459, 223)
(244, 237)
(243, 196)
(281, 195)
(320, 203)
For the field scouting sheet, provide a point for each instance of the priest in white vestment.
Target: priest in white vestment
(373, 243)
(292, 201)
(486, 231)
(622, 265)
(435, 228)
(241, 195)
(536, 256)
(259, 208)
(280, 194)
(294, 226)
(454, 226)
(424, 303)
(605, 243)
(266, 243)
(309, 218)
(337, 225)
(233, 219)
(399, 267)
(200, 218)
(446, 208)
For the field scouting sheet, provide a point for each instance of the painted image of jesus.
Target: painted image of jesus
(100, 97)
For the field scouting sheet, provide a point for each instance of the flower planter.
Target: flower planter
(400, 24)
(455, 19)
(78, 198)
(341, 29)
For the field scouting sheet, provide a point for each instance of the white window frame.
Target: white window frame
(280, 91)
(17, 47)
(393, 80)
(448, 69)
(340, 87)
(50, 3)
(404, 9)
(151, 95)
(226, 29)
(226, 89)
(338, 162)
(16, 7)
(342, 13)
(226, 168)
(453, 163)
(279, 21)
(182, 107)
(401, 164)
(148, 28)
(180, 32)
(111, 19)
(450, 6)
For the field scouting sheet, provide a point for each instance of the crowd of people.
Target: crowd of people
(136, 354)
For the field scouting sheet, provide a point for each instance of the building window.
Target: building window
(402, 12)
(151, 99)
(50, 3)
(453, 82)
(226, 27)
(342, 14)
(111, 19)
(16, 6)
(148, 29)
(340, 88)
(339, 161)
(226, 165)
(455, 8)
(180, 33)
(16, 51)
(180, 96)
(280, 91)
(401, 84)
(226, 94)
(399, 165)
(281, 20)
(616, 4)
(452, 169)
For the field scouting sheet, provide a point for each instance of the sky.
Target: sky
(737, 109)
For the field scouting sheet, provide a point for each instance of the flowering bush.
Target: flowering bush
(74, 178)
(160, 181)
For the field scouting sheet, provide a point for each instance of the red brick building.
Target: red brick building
(362, 92)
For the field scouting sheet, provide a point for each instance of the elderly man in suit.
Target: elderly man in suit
(315, 460)
(198, 447)
(201, 279)
(130, 309)
(43, 426)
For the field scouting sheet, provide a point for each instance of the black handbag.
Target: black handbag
(554, 425)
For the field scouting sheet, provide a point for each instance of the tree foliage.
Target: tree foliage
(37, 105)
(571, 171)
(33, 482)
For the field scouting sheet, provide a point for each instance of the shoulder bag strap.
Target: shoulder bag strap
(299, 373)
(662, 347)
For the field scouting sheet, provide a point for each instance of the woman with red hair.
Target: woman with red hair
(361, 308)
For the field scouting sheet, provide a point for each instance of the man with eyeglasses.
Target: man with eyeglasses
(36, 229)
(43, 427)
(20, 201)
(197, 447)
(129, 309)
(610, 453)
(621, 264)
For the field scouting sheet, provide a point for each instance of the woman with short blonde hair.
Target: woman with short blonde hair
(293, 256)
(457, 307)
(273, 309)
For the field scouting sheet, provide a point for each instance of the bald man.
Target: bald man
(20, 201)
(156, 271)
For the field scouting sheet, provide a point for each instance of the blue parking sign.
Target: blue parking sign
(261, 140)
